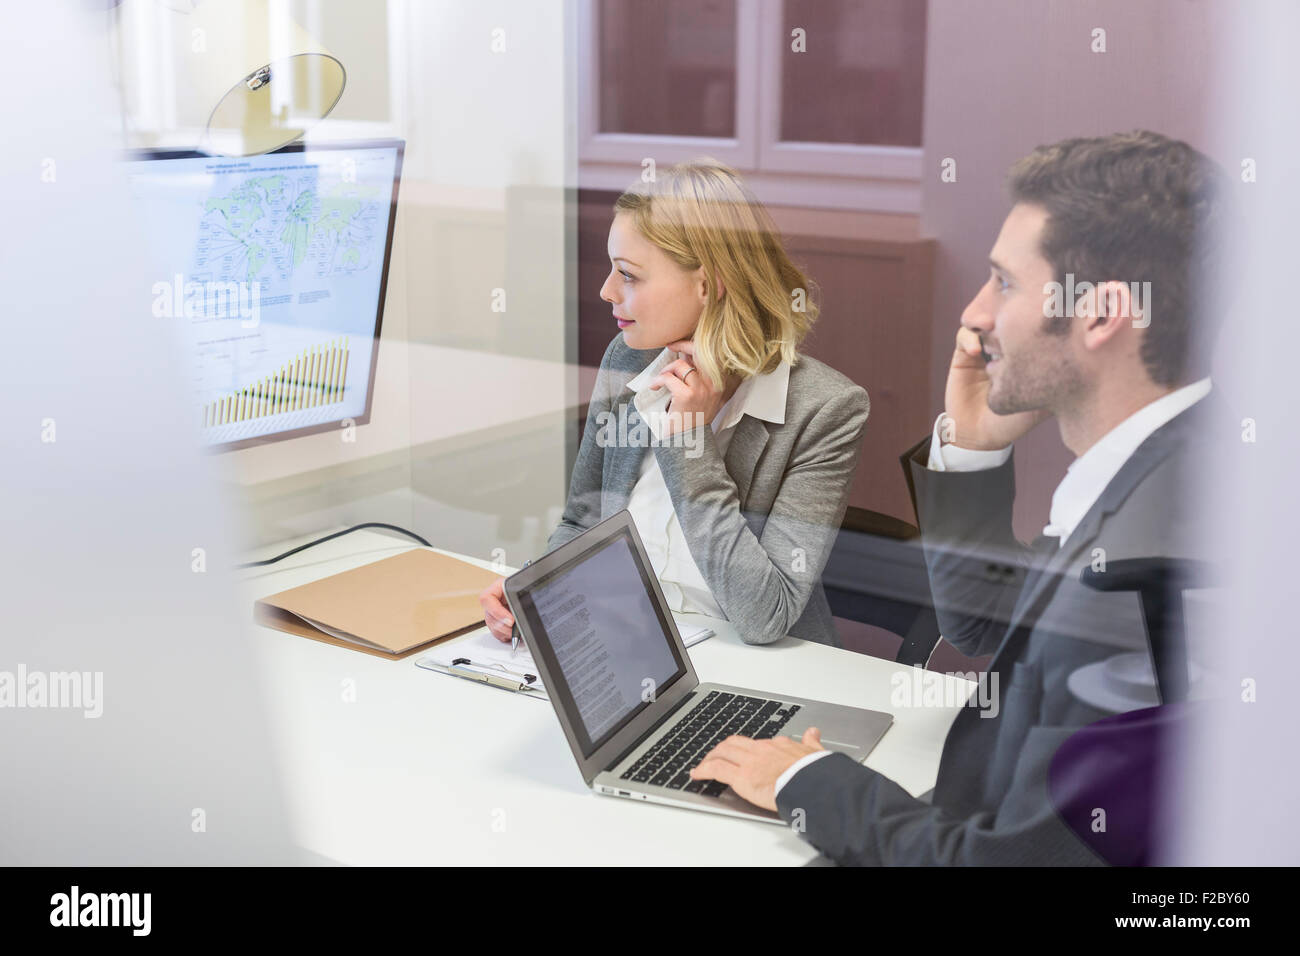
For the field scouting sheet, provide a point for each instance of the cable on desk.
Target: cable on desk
(331, 537)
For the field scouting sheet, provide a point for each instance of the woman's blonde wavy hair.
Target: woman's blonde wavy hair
(701, 214)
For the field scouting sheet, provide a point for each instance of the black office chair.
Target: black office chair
(1160, 583)
(874, 576)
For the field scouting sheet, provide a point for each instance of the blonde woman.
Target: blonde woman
(733, 452)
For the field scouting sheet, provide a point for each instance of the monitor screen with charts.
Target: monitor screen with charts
(271, 273)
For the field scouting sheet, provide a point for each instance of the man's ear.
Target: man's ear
(1105, 311)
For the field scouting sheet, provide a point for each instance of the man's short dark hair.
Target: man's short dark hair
(1133, 207)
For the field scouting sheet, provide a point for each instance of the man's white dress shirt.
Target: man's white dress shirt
(760, 396)
(1082, 485)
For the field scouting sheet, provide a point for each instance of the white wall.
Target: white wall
(1004, 76)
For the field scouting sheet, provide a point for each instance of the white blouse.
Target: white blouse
(763, 397)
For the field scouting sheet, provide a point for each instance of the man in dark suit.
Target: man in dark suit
(1088, 317)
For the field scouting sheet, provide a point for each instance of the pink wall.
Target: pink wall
(1003, 76)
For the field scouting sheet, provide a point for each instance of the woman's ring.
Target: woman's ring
(688, 373)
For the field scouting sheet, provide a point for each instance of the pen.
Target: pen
(514, 633)
(514, 682)
(492, 679)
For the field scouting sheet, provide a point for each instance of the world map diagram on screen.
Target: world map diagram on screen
(278, 300)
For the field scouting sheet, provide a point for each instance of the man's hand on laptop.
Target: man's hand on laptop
(752, 767)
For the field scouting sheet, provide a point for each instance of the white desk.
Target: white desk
(426, 769)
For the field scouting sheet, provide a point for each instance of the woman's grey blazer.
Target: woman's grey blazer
(760, 522)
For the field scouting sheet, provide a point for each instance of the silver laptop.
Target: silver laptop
(622, 684)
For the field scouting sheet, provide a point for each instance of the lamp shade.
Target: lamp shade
(268, 81)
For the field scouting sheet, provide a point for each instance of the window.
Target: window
(790, 92)
(668, 69)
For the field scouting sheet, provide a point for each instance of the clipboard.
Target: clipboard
(517, 681)
(391, 608)
(481, 657)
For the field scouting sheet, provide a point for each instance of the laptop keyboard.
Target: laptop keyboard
(668, 763)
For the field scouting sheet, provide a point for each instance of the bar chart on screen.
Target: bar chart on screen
(316, 378)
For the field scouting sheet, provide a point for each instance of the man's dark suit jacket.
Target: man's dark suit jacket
(994, 595)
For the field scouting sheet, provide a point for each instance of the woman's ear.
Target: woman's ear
(703, 288)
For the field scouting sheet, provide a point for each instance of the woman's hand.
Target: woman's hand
(692, 394)
(495, 613)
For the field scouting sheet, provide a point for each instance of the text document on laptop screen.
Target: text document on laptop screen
(605, 637)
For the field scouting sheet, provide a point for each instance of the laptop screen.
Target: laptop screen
(603, 638)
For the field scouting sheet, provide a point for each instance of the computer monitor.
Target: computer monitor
(272, 271)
